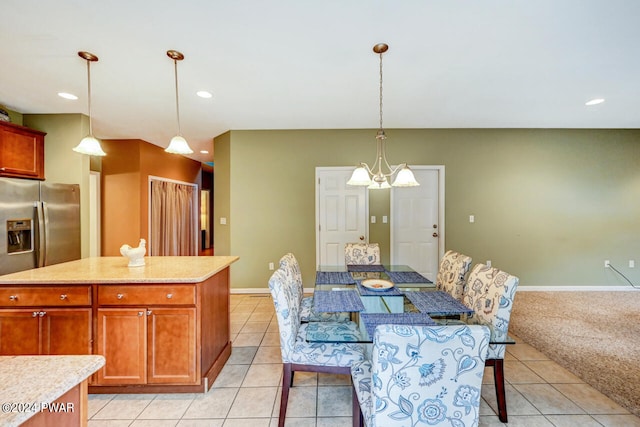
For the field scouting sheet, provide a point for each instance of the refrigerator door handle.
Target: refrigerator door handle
(42, 219)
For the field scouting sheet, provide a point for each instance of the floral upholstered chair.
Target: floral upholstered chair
(361, 253)
(422, 376)
(290, 265)
(490, 293)
(452, 273)
(297, 353)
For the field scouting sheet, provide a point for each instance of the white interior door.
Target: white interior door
(341, 214)
(417, 222)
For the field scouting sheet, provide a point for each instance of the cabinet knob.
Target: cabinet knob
(35, 314)
(63, 296)
(42, 313)
(169, 296)
(13, 297)
(149, 312)
(140, 313)
(119, 296)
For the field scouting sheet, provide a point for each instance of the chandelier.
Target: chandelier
(375, 177)
(178, 144)
(89, 144)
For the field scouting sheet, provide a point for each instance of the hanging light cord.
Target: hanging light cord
(175, 67)
(89, 95)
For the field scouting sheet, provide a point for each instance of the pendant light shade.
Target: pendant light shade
(178, 144)
(89, 144)
(375, 177)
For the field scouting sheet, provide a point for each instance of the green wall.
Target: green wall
(550, 204)
(62, 164)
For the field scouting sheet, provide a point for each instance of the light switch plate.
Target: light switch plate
(472, 218)
(223, 221)
(384, 219)
(373, 219)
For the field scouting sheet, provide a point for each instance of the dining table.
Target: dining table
(389, 294)
(381, 294)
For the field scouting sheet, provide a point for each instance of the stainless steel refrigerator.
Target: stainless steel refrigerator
(39, 224)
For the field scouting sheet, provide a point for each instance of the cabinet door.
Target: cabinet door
(172, 346)
(122, 340)
(66, 331)
(19, 332)
(21, 152)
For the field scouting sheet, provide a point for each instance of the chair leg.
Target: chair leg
(356, 412)
(498, 378)
(287, 378)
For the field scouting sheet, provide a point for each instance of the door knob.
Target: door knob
(435, 234)
(362, 238)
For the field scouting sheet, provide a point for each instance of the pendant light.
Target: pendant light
(374, 177)
(89, 144)
(178, 144)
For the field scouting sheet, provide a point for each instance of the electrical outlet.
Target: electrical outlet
(607, 264)
(632, 264)
(271, 266)
(488, 263)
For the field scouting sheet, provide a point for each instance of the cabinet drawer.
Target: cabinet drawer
(51, 296)
(146, 295)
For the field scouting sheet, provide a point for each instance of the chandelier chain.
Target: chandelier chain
(381, 91)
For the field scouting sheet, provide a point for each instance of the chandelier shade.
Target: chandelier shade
(177, 145)
(378, 176)
(89, 144)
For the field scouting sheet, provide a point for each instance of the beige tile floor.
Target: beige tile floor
(247, 394)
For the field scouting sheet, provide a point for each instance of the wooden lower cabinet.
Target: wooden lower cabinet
(122, 340)
(147, 345)
(45, 331)
(171, 340)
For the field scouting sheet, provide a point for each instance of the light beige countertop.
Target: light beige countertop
(99, 270)
(37, 380)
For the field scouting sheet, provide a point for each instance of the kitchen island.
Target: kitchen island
(162, 327)
(45, 390)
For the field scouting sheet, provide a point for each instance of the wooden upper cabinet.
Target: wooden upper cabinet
(21, 152)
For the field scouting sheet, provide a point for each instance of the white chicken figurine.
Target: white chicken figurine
(135, 255)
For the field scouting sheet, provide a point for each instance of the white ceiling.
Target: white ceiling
(303, 64)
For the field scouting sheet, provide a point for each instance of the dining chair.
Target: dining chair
(290, 265)
(421, 375)
(490, 293)
(361, 253)
(297, 353)
(452, 273)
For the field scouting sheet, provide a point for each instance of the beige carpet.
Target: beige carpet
(595, 335)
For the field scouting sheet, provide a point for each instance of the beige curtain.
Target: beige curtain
(172, 213)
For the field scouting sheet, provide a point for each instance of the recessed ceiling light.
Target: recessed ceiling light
(204, 151)
(595, 101)
(204, 94)
(66, 95)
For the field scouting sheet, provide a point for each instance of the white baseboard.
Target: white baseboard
(577, 288)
